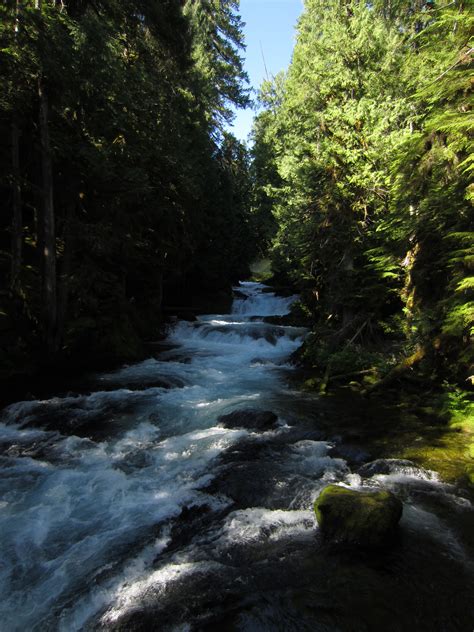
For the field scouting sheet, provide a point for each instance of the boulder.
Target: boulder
(249, 418)
(389, 466)
(350, 452)
(363, 518)
(239, 295)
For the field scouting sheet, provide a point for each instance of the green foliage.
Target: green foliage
(349, 360)
(332, 146)
(363, 156)
(432, 188)
(217, 43)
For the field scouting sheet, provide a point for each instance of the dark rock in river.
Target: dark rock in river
(388, 466)
(352, 453)
(366, 519)
(240, 295)
(249, 418)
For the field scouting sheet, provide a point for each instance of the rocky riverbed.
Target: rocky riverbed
(178, 495)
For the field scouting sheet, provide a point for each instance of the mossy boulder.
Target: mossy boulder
(367, 519)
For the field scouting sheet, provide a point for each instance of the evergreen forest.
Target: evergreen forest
(122, 190)
(363, 171)
(124, 194)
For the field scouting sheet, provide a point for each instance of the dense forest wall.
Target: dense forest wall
(121, 191)
(123, 195)
(363, 175)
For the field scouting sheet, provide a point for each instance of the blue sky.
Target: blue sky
(270, 26)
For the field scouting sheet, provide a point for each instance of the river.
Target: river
(132, 507)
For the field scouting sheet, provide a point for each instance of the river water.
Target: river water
(134, 508)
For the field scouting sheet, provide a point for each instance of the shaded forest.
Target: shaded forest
(124, 195)
(122, 192)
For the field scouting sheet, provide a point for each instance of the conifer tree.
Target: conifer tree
(146, 188)
(365, 162)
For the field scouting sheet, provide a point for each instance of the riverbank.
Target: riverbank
(31, 374)
(409, 416)
(433, 429)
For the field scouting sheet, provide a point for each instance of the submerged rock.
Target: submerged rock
(389, 466)
(367, 519)
(350, 452)
(249, 418)
(239, 295)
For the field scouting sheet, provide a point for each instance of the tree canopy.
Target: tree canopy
(363, 154)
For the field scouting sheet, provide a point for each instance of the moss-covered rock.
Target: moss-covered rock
(367, 519)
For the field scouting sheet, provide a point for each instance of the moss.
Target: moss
(452, 452)
(354, 517)
(421, 421)
(470, 475)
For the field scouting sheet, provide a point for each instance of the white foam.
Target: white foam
(239, 528)
(406, 474)
(72, 515)
(311, 458)
(261, 304)
(72, 619)
(258, 523)
(73, 507)
(130, 594)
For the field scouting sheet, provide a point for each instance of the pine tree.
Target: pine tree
(433, 192)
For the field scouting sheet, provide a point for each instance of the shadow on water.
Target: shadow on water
(298, 583)
(262, 566)
(393, 425)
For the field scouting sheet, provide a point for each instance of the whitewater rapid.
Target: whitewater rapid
(73, 508)
(94, 488)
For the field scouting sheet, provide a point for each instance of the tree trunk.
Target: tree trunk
(160, 289)
(49, 236)
(63, 290)
(17, 215)
(17, 211)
